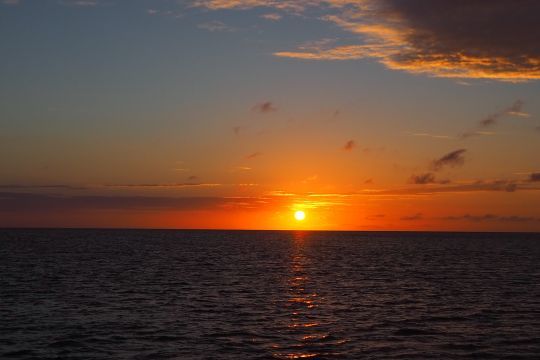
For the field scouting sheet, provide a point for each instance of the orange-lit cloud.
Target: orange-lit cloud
(215, 26)
(494, 39)
(272, 16)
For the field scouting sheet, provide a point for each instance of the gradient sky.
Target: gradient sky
(367, 115)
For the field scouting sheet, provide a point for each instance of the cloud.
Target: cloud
(445, 187)
(452, 159)
(427, 178)
(11, 2)
(292, 5)
(81, 3)
(236, 130)
(417, 216)
(188, 184)
(493, 218)
(514, 110)
(19, 202)
(478, 39)
(435, 136)
(349, 145)
(272, 16)
(469, 134)
(215, 26)
(253, 155)
(51, 186)
(264, 107)
(534, 177)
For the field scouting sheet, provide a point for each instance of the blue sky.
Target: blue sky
(100, 94)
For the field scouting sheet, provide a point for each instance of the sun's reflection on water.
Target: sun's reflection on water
(302, 302)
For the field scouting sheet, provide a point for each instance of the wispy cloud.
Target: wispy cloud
(417, 216)
(349, 145)
(31, 202)
(44, 186)
(253, 155)
(291, 5)
(264, 107)
(435, 136)
(470, 134)
(422, 179)
(462, 187)
(272, 16)
(493, 218)
(215, 26)
(188, 184)
(514, 110)
(452, 159)
(81, 3)
(11, 2)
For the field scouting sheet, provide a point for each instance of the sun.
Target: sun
(299, 215)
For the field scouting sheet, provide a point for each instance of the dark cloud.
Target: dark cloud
(264, 107)
(447, 187)
(30, 202)
(29, 187)
(427, 178)
(452, 159)
(467, 38)
(492, 217)
(488, 39)
(375, 217)
(253, 155)
(349, 145)
(515, 109)
(192, 182)
(534, 177)
(417, 216)
(236, 130)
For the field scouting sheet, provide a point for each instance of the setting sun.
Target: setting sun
(299, 215)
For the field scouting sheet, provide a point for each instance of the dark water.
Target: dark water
(81, 294)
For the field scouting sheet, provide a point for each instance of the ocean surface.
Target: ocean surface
(131, 294)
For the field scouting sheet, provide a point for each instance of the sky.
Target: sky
(234, 114)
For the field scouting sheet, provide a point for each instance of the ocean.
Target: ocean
(165, 294)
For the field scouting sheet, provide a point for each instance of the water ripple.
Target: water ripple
(100, 294)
